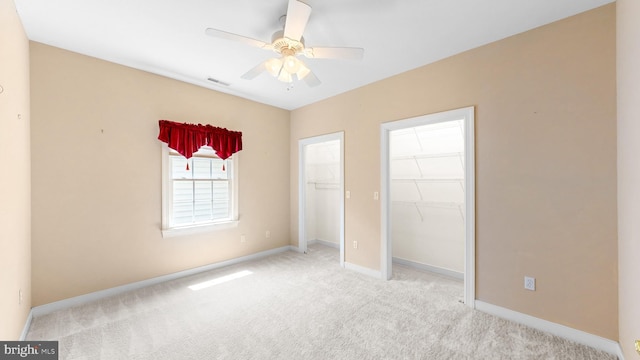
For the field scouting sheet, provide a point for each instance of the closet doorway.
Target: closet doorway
(428, 195)
(321, 189)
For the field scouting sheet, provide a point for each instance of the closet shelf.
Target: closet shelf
(442, 204)
(323, 163)
(324, 184)
(441, 180)
(447, 205)
(416, 181)
(427, 156)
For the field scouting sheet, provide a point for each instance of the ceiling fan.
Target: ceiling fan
(289, 43)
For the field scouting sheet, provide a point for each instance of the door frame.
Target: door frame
(302, 193)
(467, 115)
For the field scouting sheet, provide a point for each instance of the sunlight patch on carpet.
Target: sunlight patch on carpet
(220, 280)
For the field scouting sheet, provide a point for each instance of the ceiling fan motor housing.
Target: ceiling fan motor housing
(286, 46)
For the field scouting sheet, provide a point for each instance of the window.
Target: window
(199, 193)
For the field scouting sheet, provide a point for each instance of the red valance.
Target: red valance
(189, 138)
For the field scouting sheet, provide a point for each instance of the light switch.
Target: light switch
(348, 194)
(376, 195)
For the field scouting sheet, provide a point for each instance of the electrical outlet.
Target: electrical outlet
(267, 234)
(355, 244)
(530, 283)
(243, 238)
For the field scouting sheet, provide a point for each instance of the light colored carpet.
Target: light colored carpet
(297, 306)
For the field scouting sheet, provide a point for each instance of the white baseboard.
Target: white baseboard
(581, 337)
(430, 268)
(27, 325)
(296, 249)
(363, 270)
(83, 299)
(324, 242)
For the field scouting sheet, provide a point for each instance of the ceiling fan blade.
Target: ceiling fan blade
(297, 17)
(311, 79)
(257, 70)
(334, 53)
(238, 38)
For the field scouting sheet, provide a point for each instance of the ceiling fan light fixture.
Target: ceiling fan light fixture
(274, 66)
(288, 43)
(285, 76)
(291, 64)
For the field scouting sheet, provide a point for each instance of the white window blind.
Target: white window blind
(201, 193)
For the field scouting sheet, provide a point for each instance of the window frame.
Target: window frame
(167, 196)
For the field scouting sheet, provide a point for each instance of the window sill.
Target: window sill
(198, 229)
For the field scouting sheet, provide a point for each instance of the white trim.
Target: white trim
(98, 295)
(324, 242)
(470, 207)
(166, 193)
(167, 230)
(386, 252)
(296, 249)
(578, 336)
(430, 268)
(198, 229)
(302, 143)
(27, 326)
(363, 270)
(467, 115)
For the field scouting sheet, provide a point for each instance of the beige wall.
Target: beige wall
(628, 48)
(545, 160)
(97, 174)
(15, 182)
(545, 164)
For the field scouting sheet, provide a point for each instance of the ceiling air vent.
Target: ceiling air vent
(216, 81)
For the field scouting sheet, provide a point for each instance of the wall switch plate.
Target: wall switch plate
(348, 194)
(19, 296)
(267, 234)
(355, 244)
(243, 238)
(530, 283)
(376, 195)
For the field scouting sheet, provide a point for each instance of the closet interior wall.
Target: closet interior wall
(322, 213)
(427, 195)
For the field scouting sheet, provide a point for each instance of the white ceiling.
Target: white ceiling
(167, 37)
